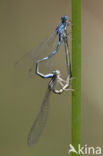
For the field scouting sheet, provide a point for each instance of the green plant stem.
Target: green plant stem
(76, 73)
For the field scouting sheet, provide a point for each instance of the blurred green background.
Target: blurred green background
(23, 25)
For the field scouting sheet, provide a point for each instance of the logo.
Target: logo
(85, 150)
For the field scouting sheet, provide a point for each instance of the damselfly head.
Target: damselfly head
(56, 72)
(64, 19)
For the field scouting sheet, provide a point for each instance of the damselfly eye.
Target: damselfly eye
(64, 18)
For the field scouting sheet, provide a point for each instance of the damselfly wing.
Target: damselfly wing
(40, 121)
(26, 63)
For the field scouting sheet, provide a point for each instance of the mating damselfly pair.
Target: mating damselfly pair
(32, 61)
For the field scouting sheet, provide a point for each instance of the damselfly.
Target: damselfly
(41, 119)
(46, 50)
(38, 56)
